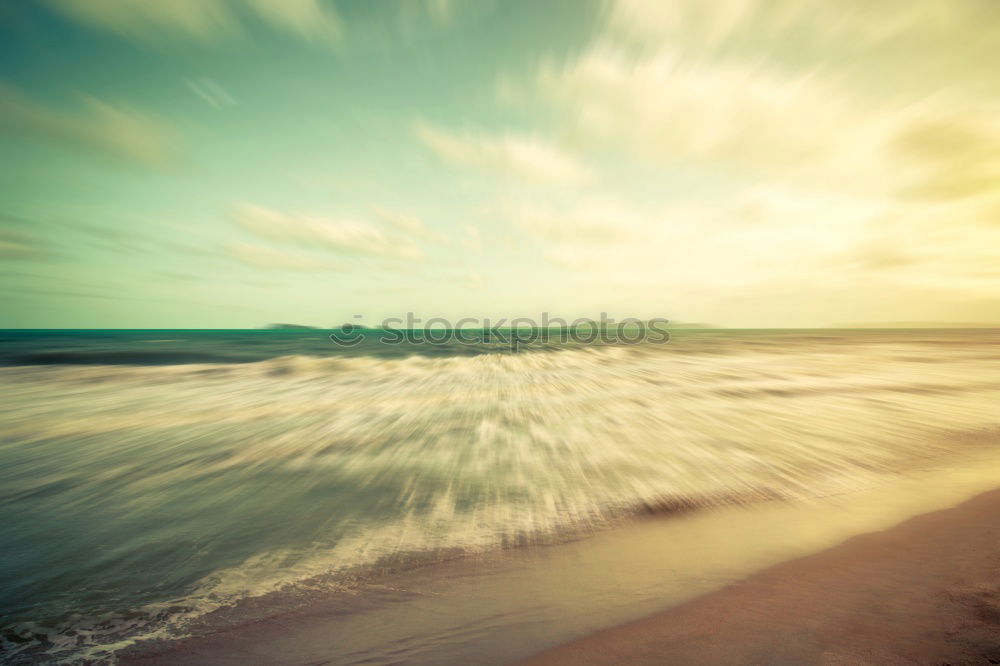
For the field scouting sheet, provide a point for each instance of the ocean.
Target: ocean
(152, 479)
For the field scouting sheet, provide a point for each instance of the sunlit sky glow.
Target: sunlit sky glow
(228, 163)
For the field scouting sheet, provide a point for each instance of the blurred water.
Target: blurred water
(147, 478)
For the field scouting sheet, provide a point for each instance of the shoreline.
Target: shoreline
(926, 591)
(504, 607)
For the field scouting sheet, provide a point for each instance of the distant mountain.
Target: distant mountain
(290, 327)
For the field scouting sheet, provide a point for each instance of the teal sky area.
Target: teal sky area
(229, 163)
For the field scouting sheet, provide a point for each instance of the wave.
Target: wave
(266, 585)
(301, 475)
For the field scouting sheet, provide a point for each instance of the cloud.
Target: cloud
(17, 244)
(210, 92)
(804, 91)
(665, 107)
(755, 235)
(650, 22)
(589, 229)
(411, 224)
(877, 254)
(260, 256)
(785, 136)
(589, 222)
(204, 21)
(955, 157)
(201, 20)
(527, 157)
(115, 131)
(344, 236)
(313, 20)
(850, 26)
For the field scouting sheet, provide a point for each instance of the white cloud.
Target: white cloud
(803, 91)
(847, 26)
(589, 219)
(261, 256)
(409, 223)
(527, 157)
(652, 22)
(664, 107)
(113, 130)
(346, 236)
(314, 20)
(796, 144)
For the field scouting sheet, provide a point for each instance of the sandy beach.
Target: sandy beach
(906, 573)
(924, 592)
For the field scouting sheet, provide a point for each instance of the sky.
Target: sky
(749, 163)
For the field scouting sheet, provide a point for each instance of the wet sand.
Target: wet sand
(924, 592)
(502, 608)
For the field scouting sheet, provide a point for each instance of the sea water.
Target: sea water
(149, 478)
